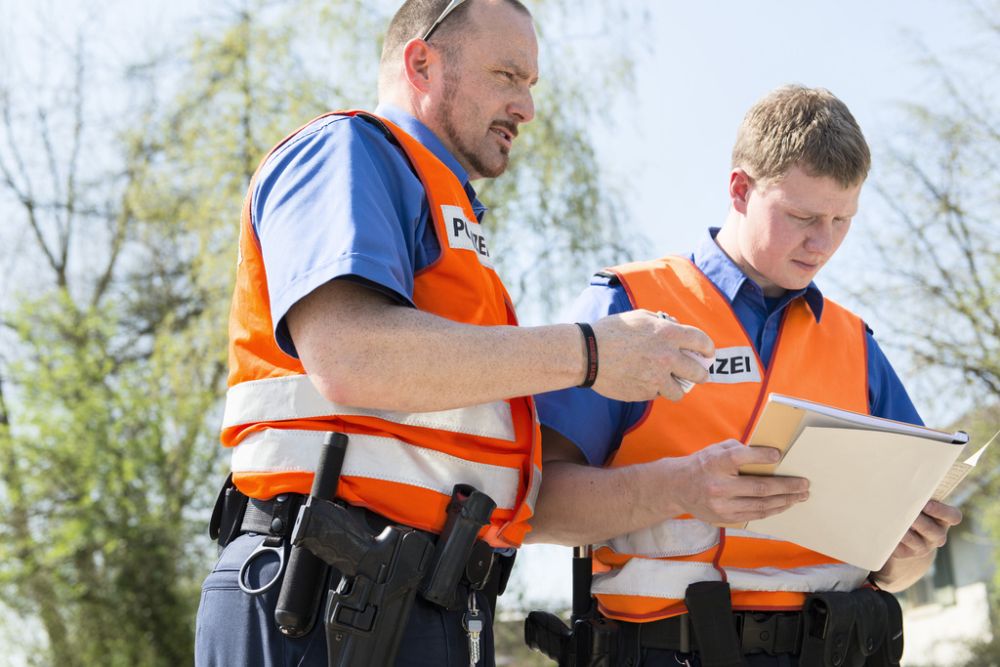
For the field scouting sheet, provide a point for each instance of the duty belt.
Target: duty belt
(759, 632)
(276, 518)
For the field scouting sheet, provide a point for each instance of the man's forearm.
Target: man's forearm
(584, 505)
(369, 352)
(361, 349)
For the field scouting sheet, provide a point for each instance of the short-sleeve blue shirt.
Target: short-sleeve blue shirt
(341, 200)
(596, 425)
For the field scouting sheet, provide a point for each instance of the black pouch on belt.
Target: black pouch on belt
(870, 622)
(827, 636)
(890, 652)
(711, 612)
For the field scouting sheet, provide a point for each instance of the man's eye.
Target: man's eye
(507, 75)
(802, 219)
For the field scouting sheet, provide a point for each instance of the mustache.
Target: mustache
(510, 126)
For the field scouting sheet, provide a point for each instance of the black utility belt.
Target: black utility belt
(835, 629)
(275, 518)
(773, 633)
(849, 629)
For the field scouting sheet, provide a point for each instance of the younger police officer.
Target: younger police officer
(798, 166)
(367, 303)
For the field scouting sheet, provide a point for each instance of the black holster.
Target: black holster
(368, 612)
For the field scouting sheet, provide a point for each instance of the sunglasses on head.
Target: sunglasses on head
(452, 6)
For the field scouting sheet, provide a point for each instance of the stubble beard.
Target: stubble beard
(466, 153)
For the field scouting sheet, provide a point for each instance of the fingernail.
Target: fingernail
(804, 496)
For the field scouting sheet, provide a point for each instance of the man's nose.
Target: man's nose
(820, 239)
(523, 108)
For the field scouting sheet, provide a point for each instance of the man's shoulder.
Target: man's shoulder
(831, 305)
(329, 155)
(332, 129)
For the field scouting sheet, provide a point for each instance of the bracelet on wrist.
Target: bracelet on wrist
(590, 346)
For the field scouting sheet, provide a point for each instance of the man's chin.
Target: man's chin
(491, 169)
(795, 285)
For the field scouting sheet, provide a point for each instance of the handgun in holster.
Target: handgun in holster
(367, 613)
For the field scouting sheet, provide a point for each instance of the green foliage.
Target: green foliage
(100, 469)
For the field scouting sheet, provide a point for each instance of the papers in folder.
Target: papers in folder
(869, 477)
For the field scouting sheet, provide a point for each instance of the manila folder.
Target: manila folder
(868, 483)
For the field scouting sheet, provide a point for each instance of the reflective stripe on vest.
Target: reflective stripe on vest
(651, 578)
(295, 397)
(824, 362)
(375, 457)
(676, 537)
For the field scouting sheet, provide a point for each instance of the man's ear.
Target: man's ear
(740, 185)
(419, 60)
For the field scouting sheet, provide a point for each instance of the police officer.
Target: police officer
(670, 470)
(367, 303)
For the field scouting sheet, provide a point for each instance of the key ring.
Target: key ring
(260, 551)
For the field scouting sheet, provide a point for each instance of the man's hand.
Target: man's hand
(581, 504)
(639, 356)
(915, 552)
(711, 488)
(929, 532)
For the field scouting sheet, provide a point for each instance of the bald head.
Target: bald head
(414, 19)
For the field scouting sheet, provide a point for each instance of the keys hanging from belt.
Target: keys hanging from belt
(472, 622)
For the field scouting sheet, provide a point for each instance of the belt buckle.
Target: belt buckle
(758, 632)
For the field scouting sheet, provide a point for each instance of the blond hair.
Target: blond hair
(810, 127)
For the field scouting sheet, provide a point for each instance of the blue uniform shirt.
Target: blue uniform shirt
(597, 424)
(339, 200)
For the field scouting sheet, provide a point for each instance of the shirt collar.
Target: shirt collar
(425, 136)
(730, 279)
(430, 141)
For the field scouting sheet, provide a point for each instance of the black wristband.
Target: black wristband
(590, 344)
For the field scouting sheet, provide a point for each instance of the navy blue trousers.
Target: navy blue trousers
(234, 628)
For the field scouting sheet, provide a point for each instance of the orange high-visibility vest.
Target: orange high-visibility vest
(400, 465)
(643, 575)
